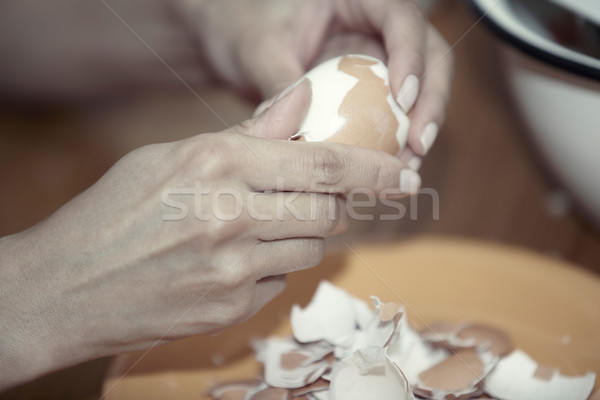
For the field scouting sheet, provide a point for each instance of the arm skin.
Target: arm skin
(119, 269)
(105, 273)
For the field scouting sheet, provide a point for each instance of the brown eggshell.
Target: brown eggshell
(498, 340)
(456, 373)
(272, 394)
(353, 105)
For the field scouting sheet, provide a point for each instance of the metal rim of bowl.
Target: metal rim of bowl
(542, 53)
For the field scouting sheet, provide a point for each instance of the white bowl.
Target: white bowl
(557, 90)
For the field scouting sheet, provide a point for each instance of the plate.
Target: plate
(550, 308)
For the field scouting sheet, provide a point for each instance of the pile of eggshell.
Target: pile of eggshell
(341, 349)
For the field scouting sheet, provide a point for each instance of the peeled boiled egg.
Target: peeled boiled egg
(352, 104)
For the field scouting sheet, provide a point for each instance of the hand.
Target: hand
(123, 266)
(269, 44)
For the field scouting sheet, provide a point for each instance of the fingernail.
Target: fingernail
(269, 102)
(289, 89)
(262, 107)
(414, 163)
(428, 136)
(408, 92)
(410, 181)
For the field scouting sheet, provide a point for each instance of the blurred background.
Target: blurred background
(496, 176)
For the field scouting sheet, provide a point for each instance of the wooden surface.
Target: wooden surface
(490, 182)
(464, 279)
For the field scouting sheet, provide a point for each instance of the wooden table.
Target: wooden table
(490, 181)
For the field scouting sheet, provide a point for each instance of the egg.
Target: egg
(352, 104)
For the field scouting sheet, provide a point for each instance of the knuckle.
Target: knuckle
(212, 159)
(247, 124)
(229, 267)
(258, 260)
(380, 174)
(234, 277)
(325, 164)
(308, 253)
(414, 58)
(236, 311)
(223, 230)
(412, 9)
(313, 252)
(327, 215)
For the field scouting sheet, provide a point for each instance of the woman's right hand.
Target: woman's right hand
(178, 239)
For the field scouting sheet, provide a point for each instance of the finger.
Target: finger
(285, 256)
(262, 107)
(291, 215)
(339, 44)
(408, 156)
(270, 64)
(429, 111)
(266, 290)
(324, 168)
(277, 54)
(403, 25)
(344, 42)
(283, 117)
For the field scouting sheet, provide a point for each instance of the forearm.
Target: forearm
(16, 325)
(35, 338)
(67, 48)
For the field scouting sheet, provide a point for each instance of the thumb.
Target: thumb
(283, 118)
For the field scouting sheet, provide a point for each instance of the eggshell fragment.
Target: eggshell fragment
(457, 377)
(317, 386)
(412, 354)
(368, 374)
(381, 330)
(362, 312)
(388, 311)
(287, 365)
(468, 335)
(271, 393)
(378, 355)
(331, 315)
(320, 395)
(516, 377)
(352, 104)
(439, 332)
(486, 337)
(233, 390)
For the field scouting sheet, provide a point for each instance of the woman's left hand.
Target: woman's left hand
(266, 45)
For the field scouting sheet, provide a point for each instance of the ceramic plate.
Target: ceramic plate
(551, 310)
